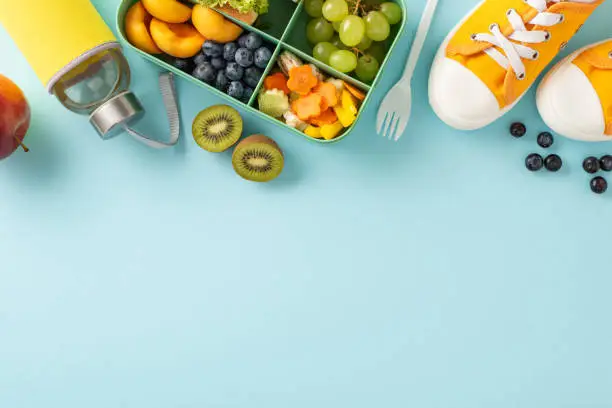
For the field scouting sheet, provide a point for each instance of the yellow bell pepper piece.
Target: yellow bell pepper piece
(313, 132)
(348, 102)
(331, 131)
(344, 116)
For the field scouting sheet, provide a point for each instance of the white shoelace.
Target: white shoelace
(514, 52)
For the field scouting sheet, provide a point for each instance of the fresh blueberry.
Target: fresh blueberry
(262, 57)
(518, 129)
(212, 49)
(244, 57)
(606, 163)
(591, 165)
(553, 163)
(221, 83)
(253, 41)
(218, 63)
(545, 140)
(200, 58)
(205, 72)
(599, 185)
(236, 90)
(234, 72)
(183, 64)
(242, 41)
(248, 92)
(229, 52)
(252, 76)
(534, 162)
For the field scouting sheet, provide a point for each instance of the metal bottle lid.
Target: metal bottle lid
(115, 114)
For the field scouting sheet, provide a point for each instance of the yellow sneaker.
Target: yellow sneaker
(490, 60)
(575, 97)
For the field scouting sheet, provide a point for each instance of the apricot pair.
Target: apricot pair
(155, 36)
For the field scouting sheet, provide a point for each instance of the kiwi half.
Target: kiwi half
(217, 128)
(258, 158)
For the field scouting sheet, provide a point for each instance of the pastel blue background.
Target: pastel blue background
(431, 273)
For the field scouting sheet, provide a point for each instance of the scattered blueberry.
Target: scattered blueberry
(205, 72)
(242, 41)
(252, 76)
(218, 63)
(606, 163)
(200, 58)
(591, 165)
(234, 72)
(183, 64)
(545, 140)
(553, 163)
(253, 41)
(534, 162)
(599, 185)
(518, 129)
(229, 52)
(262, 57)
(236, 90)
(221, 83)
(248, 92)
(212, 48)
(244, 57)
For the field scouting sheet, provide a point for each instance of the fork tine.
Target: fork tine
(380, 122)
(393, 126)
(401, 127)
(389, 123)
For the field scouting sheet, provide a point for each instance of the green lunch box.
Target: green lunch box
(284, 26)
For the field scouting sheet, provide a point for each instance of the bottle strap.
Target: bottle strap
(168, 92)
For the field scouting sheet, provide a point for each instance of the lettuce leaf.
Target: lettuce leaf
(243, 6)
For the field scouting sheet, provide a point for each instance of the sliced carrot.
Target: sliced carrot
(326, 118)
(307, 107)
(328, 93)
(354, 91)
(277, 81)
(302, 80)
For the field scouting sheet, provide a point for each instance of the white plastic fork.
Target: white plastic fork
(394, 111)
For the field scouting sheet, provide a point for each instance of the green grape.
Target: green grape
(313, 7)
(378, 50)
(352, 30)
(337, 25)
(319, 30)
(336, 42)
(392, 12)
(377, 26)
(343, 61)
(367, 68)
(335, 10)
(365, 43)
(323, 50)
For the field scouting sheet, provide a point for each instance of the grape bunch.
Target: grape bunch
(348, 35)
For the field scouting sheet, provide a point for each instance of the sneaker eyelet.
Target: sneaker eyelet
(548, 36)
(493, 26)
(610, 55)
(535, 56)
(561, 18)
(474, 37)
(509, 12)
(521, 76)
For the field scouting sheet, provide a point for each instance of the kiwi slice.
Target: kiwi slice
(258, 158)
(217, 128)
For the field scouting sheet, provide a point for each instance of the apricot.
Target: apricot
(170, 11)
(247, 18)
(214, 26)
(178, 40)
(137, 22)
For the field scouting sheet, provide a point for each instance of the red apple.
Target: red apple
(14, 117)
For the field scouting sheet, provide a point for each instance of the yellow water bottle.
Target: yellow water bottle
(79, 60)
